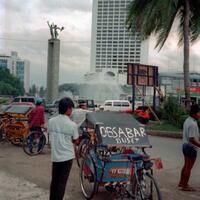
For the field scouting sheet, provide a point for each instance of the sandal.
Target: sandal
(188, 188)
(181, 185)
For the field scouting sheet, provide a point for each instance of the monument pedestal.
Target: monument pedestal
(53, 70)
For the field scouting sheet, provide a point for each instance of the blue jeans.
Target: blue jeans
(189, 150)
(32, 137)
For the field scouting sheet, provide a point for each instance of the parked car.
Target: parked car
(27, 100)
(30, 99)
(115, 105)
(87, 104)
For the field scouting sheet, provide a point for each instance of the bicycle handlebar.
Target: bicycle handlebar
(137, 157)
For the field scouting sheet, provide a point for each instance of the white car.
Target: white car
(115, 105)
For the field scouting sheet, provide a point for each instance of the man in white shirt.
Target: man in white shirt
(63, 133)
(190, 143)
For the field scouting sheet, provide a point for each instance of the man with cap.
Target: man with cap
(36, 119)
(191, 141)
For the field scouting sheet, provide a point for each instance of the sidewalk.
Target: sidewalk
(12, 187)
(169, 134)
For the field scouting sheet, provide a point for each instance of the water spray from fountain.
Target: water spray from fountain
(101, 88)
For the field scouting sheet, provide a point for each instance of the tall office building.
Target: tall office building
(112, 45)
(18, 67)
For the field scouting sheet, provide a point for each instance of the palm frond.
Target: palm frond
(195, 21)
(157, 17)
(168, 17)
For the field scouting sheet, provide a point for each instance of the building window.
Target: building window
(20, 70)
(3, 63)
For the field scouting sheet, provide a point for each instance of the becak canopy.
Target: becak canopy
(116, 128)
(18, 109)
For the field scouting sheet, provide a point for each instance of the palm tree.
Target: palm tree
(157, 17)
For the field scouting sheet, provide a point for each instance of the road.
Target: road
(26, 177)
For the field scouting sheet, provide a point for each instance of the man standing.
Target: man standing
(63, 133)
(190, 143)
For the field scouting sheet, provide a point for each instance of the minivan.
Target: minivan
(115, 105)
(30, 99)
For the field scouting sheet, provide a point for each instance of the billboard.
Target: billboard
(142, 75)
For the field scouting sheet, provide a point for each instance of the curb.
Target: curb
(176, 135)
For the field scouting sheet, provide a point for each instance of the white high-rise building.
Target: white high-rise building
(18, 67)
(112, 45)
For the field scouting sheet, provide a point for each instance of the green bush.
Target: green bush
(4, 100)
(173, 112)
(158, 112)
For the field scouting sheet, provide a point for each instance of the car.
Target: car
(27, 100)
(115, 105)
(23, 103)
(87, 104)
(30, 99)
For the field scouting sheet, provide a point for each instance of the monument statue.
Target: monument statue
(53, 30)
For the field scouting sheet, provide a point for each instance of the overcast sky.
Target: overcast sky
(24, 29)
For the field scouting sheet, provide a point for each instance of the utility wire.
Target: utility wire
(22, 40)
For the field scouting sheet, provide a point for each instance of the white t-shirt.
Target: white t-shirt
(190, 130)
(61, 132)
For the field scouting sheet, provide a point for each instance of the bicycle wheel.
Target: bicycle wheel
(88, 179)
(34, 143)
(81, 150)
(130, 188)
(147, 188)
(1, 135)
(16, 142)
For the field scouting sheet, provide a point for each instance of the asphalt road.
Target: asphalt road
(37, 171)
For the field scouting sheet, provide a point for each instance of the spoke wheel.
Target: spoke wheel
(16, 142)
(81, 151)
(34, 143)
(147, 189)
(1, 135)
(130, 188)
(88, 179)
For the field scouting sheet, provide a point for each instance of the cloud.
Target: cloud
(24, 29)
(170, 57)
(51, 6)
(60, 5)
(74, 57)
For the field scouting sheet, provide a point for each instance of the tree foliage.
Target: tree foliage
(33, 90)
(10, 85)
(173, 112)
(157, 17)
(42, 91)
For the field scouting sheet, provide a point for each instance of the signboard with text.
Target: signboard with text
(194, 91)
(116, 128)
(127, 135)
(142, 75)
